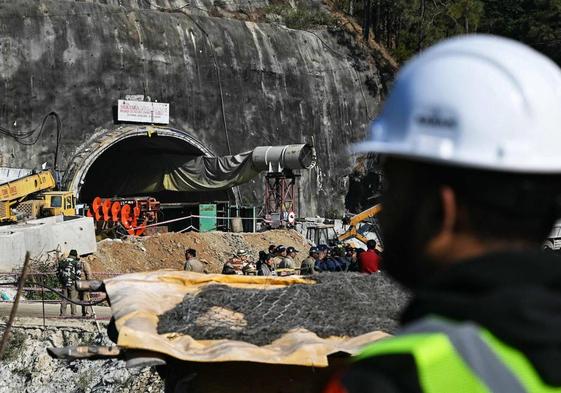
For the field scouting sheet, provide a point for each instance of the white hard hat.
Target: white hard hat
(478, 101)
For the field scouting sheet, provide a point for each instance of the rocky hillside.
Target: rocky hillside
(237, 74)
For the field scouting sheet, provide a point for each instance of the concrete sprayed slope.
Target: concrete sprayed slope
(249, 84)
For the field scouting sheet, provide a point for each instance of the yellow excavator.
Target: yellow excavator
(33, 196)
(355, 222)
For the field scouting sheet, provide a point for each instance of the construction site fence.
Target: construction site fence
(34, 278)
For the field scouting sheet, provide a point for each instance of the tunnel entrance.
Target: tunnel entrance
(135, 166)
(130, 161)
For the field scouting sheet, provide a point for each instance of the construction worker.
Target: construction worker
(192, 264)
(267, 268)
(340, 259)
(307, 267)
(279, 255)
(369, 261)
(87, 274)
(68, 272)
(352, 257)
(235, 264)
(328, 261)
(288, 262)
(471, 135)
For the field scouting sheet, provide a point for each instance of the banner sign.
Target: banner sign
(143, 112)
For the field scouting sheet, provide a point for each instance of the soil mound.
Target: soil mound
(167, 251)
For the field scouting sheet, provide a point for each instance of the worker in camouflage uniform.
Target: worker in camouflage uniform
(68, 272)
(308, 264)
(86, 274)
(287, 262)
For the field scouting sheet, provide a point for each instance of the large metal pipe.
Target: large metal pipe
(277, 158)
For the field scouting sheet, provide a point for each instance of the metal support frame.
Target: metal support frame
(21, 283)
(281, 196)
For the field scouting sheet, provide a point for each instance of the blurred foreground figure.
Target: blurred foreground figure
(471, 135)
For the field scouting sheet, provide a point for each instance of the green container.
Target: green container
(207, 222)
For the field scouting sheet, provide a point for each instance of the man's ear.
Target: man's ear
(449, 209)
(438, 248)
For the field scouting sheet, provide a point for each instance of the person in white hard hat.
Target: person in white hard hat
(471, 135)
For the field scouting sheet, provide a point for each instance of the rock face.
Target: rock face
(30, 369)
(232, 84)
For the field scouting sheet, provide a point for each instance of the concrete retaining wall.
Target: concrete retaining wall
(44, 235)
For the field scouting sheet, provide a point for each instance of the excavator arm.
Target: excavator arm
(354, 222)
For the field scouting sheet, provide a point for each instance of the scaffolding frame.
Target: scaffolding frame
(281, 198)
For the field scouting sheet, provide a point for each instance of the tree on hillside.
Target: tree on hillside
(408, 26)
(534, 22)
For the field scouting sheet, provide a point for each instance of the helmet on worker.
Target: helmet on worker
(476, 101)
(471, 135)
(280, 250)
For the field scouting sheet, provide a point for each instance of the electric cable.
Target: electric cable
(27, 138)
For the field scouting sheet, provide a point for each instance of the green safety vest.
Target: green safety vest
(461, 358)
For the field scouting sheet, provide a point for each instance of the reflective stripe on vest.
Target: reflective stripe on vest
(453, 357)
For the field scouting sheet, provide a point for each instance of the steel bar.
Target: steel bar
(14, 310)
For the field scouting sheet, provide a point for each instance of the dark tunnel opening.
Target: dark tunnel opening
(135, 166)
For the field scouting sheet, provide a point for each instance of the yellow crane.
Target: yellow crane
(356, 220)
(34, 196)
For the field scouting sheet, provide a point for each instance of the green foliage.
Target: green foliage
(408, 26)
(537, 23)
(14, 346)
(301, 17)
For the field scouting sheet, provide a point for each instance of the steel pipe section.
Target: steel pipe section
(277, 158)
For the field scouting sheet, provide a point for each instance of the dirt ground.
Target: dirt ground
(166, 251)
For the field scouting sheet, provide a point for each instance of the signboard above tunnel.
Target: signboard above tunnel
(143, 112)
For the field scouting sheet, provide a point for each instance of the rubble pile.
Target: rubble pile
(29, 368)
(167, 251)
(339, 304)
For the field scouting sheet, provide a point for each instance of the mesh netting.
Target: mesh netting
(339, 304)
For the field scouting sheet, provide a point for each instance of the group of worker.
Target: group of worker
(70, 270)
(279, 260)
(342, 258)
